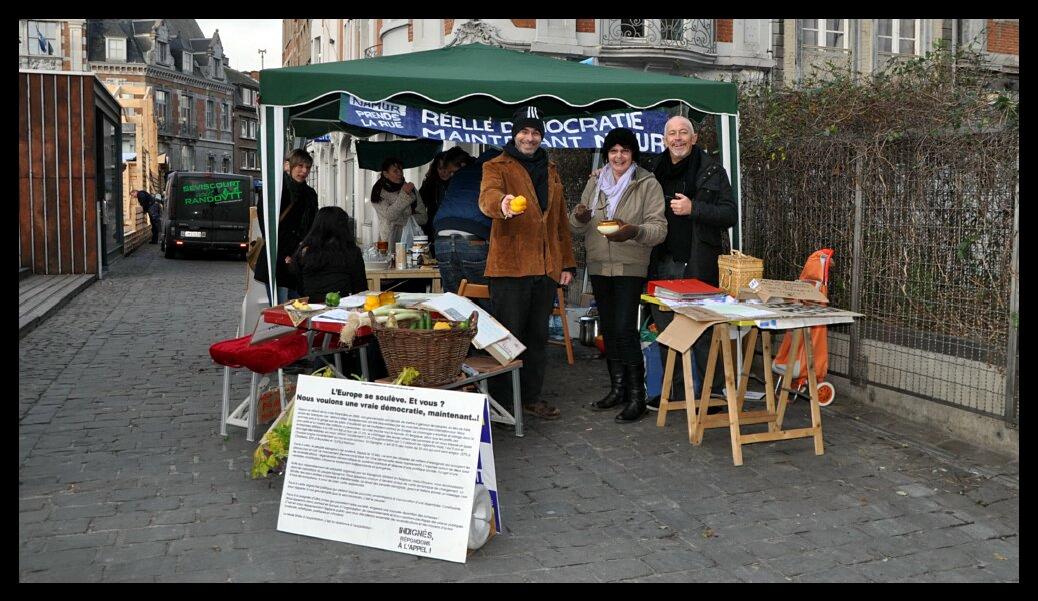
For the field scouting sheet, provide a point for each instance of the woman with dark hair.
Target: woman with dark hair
(328, 259)
(618, 261)
(434, 186)
(392, 198)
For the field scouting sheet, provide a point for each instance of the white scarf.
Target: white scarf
(613, 190)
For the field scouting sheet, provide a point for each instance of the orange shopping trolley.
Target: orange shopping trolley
(816, 271)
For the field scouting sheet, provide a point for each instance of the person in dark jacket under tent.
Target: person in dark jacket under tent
(328, 258)
(699, 210)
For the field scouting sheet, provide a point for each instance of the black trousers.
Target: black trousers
(155, 226)
(617, 299)
(523, 306)
(668, 269)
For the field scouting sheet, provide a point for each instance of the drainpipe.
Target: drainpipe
(954, 47)
(856, 60)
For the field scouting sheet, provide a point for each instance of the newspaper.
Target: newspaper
(459, 308)
(334, 316)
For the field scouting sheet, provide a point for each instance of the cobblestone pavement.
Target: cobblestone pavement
(124, 477)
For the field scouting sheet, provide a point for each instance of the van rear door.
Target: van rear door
(191, 209)
(214, 209)
(230, 212)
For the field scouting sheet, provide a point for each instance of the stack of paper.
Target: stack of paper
(684, 290)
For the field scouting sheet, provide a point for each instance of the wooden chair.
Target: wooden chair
(482, 291)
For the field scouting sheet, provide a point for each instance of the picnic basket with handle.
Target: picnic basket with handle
(436, 354)
(736, 270)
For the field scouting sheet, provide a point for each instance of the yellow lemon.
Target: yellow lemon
(442, 325)
(518, 204)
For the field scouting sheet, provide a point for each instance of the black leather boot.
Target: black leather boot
(618, 381)
(635, 407)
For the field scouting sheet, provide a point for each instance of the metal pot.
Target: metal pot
(588, 329)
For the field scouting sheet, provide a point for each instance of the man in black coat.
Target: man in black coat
(700, 208)
(153, 207)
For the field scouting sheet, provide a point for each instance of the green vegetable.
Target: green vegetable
(408, 375)
(463, 325)
(426, 321)
(332, 299)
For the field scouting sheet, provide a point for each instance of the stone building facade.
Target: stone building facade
(245, 123)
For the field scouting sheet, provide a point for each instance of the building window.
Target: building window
(898, 36)
(225, 116)
(317, 50)
(187, 159)
(161, 105)
(40, 38)
(226, 164)
(632, 28)
(248, 159)
(249, 97)
(210, 164)
(210, 114)
(115, 50)
(187, 63)
(248, 129)
(672, 30)
(185, 109)
(830, 33)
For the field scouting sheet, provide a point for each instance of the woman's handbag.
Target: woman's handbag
(256, 246)
(254, 253)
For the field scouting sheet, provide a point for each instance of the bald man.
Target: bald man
(699, 210)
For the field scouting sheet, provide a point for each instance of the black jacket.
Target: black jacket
(340, 271)
(713, 212)
(291, 231)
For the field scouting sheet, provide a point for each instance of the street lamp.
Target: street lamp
(261, 53)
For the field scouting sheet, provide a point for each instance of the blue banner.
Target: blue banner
(576, 132)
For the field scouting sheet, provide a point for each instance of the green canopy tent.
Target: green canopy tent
(470, 81)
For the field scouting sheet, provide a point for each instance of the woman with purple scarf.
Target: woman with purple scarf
(618, 262)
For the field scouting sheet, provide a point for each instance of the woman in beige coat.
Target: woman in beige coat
(618, 262)
(395, 201)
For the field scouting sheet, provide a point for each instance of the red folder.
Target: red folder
(689, 287)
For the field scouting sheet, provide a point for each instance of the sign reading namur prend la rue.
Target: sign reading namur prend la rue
(384, 466)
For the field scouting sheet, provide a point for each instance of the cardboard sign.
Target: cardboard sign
(391, 467)
(682, 333)
(766, 289)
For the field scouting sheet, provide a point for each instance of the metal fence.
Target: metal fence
(924, 234)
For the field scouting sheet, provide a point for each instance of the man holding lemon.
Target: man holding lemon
(531, 250)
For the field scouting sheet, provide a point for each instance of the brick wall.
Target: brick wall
(525, 23)
(1004, 37)
(724, 30)
(585, 26)
(448, 26)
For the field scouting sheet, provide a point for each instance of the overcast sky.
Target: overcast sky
(242, 38)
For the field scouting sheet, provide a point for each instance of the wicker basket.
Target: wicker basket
(436, 354)
(736, 270)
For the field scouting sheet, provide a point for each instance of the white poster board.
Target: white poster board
(391, 467)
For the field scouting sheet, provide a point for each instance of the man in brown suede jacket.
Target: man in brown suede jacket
(531, 252)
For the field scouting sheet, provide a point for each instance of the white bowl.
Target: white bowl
(609, 229)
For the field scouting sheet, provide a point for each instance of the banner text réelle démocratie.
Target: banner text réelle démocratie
(574, 132)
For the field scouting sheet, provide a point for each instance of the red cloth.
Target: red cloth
(261, 358)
